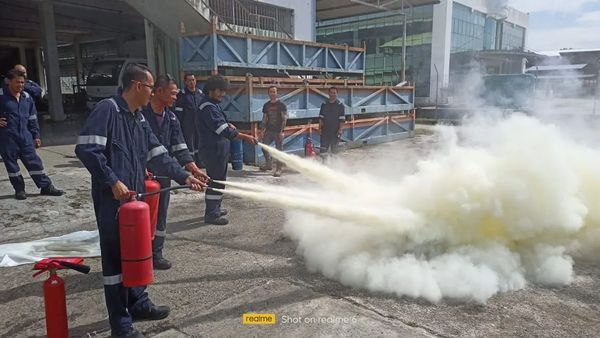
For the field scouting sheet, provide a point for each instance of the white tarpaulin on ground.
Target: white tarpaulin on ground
(76, 244)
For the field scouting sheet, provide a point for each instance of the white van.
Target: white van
(103, 79)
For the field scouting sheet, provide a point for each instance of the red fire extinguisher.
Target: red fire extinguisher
(136, 243)
(152, 185)
(309, 148)
(55, 302)
(136, 238)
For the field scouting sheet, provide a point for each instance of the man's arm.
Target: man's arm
(265, 120)
(284, 115)
(321, 117)
(341, 118)
(178, 106)
(178, 148)
(33, 88)
(32, 123)
(91, 144)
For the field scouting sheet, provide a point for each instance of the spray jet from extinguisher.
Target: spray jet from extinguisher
(55, 303)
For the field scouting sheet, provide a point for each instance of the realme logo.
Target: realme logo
(259, 319)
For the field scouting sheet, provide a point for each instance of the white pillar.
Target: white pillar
(46, 13)
(150, 50)
(440, 46)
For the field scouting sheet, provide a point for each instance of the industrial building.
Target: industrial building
(442, 40)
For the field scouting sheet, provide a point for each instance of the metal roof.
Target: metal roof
(556, 67)
(334, 9)
(570, 51)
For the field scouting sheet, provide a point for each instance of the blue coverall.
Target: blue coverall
(169, 134)
(215, 134)
(116, 145)
(187, 110)
(33, 89)
(16, 139)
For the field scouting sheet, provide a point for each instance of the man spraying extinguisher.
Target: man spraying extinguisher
(115, 145)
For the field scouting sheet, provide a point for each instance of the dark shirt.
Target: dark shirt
(274, 116)
(331, 114)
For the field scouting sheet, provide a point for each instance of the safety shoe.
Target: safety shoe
(161, 263)
(277, 173)
(20, 195)
(51, 191)
(131, 334)
(153, 313)
(217, 221)
(224, 212)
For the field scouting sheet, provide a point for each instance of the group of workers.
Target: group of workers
(150, 127)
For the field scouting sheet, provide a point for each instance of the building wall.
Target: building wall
(465, 25)
(434, 33)
(304, 16)
(381, 35)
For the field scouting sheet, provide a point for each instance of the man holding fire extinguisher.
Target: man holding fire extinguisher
(115, 145)
(215, 133)
(167, 129)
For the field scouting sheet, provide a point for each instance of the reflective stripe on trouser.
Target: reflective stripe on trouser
(268, 138)
(120, 301)
(161, 224)
(216, 168)
(11, 151)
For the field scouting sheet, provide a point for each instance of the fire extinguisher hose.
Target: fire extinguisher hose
(77, 267)
(144, 194)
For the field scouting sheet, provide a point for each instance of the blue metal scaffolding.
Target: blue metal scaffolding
(374, 114)
(249, 52)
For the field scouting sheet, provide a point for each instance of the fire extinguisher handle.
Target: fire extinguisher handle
(77, 267)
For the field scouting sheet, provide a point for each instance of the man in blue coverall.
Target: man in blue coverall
(215, 133)
(31, 87)
(167, 129)
(20, 136)
(186, 109)
(115, 145)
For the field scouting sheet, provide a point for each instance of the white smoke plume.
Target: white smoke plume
(494, 207)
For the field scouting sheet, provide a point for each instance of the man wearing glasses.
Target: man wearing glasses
(115, 145)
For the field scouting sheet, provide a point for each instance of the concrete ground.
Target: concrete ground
(220, 273)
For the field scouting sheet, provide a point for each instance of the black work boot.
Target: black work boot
(20, 195)
(160, 263)
(268, 166)
(51, 191)
(217, 221)
(153, 313)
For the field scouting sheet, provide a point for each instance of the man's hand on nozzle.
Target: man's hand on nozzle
(38, 143)
(120, 191)
(3, 122)
(195, 183)
(248, 139)
(197, 172)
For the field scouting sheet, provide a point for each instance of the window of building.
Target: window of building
(381, 33)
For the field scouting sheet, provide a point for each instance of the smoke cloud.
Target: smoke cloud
(494, 207)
